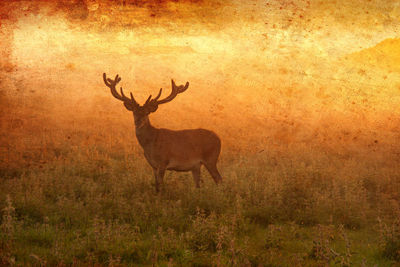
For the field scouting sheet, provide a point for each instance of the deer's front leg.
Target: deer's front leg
(159, 176)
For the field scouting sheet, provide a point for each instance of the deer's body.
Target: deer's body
(181, 150)
(164, 149)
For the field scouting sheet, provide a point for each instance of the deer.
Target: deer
(165, 149)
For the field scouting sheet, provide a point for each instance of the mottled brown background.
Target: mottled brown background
(265, 75)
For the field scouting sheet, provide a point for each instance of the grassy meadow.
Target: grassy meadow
(80, 193)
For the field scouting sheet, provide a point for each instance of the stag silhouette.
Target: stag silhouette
(164, 149)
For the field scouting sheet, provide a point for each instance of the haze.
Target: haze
(263, 74)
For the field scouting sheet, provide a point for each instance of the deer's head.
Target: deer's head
(141, 112)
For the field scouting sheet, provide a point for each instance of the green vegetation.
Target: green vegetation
(97, 205)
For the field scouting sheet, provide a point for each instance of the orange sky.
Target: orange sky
(261, 59)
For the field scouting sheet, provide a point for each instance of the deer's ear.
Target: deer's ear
(152, 108)
(129, 106)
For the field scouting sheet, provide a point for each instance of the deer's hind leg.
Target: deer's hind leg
(212, 169)
(210, 160)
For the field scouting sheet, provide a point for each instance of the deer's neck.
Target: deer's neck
(145, 132)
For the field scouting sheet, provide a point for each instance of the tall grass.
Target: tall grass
(83, 194)
(104, 211)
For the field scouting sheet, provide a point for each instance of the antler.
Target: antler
(112, 83)
(175, 91)
(155, 99)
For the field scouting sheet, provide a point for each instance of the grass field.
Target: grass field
(81, 195)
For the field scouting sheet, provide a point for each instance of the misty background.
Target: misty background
(264, 75)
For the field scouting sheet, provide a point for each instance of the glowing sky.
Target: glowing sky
(298, 58)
